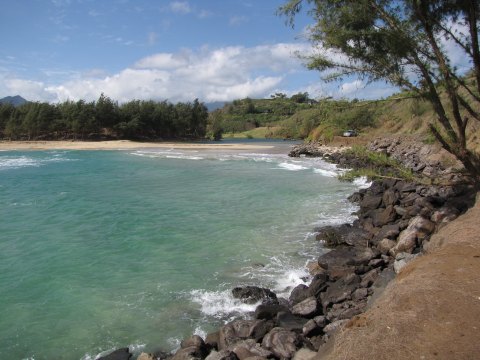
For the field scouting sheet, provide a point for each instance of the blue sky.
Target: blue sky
(214, 50)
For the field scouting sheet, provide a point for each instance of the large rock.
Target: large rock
(222, 355)
(346, 256)
(401, 260)
(337, 292)
(390, 197)
(318, 284)
(418, 228)
(189, 353)
(370, 202)
(269, 311)
(291, 322)
(299, 293)
(333, 236)
(304, 354)
(240, 330)
(145, 356)
(282, 343)
(385, 245)
(119, 354)
(314, 326)
(193, 340)
(249, 348)
(254, 294)
(306, 308)
(382, 217)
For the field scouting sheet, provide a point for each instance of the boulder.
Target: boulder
(401, 260)
(249, 348)
(333, 327)
(194, 340)
(145, 356)
(346, 256)
(299, 293)
(269, 311)
(222, 355)
(359, 294)
(254, 294)
(212, 339)
(418, 228)
(119, 354)
(390, 197)
(304, 354)
(385, 245)
(282, 343)
(337, 292)
(314, 326)
(189, 353)
(318, 284)
(382, 217)
(370, 202)
(290, 322)
(306, 308)
(238, 330)
(333, 236)
(388, 231)
(369, 278)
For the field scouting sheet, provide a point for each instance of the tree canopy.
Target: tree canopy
(404, 42)
(104, 118)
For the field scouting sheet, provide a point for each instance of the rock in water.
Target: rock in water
(254, 294)
(119, 354)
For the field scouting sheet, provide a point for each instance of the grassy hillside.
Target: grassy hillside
(326, 120)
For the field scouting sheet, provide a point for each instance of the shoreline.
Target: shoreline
(122, 145)
(395, 223)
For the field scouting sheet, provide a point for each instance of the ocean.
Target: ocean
(141, 248)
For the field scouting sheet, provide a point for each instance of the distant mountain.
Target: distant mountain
(14, 100)
(215, 105)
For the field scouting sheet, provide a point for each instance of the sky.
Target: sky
(175, 50)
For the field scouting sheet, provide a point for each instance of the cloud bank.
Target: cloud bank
(220, 74)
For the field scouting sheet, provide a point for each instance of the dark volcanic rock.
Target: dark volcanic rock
(291, 322)
(240, 330)
(307, 308)
(249, 348)
(222, 355)
(346, 256)
(299, 293)
(269, 311)
(282, 343)
(254, 294)
(119, 354)
(334, 236)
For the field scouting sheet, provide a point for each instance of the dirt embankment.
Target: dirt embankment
(430, 311)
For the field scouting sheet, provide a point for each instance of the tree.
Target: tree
(402, 42)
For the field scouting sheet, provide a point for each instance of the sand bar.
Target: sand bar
(121, 145)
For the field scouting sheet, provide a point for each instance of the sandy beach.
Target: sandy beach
(120, 145)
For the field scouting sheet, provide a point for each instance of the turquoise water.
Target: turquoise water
(105, 249)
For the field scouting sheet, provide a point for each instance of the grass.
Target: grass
(377, 165)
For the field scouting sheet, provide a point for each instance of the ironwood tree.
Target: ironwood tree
(404, 42)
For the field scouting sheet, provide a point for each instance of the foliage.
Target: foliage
(400, 41)
(104, 118)
(374, 165)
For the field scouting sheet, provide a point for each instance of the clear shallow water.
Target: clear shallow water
(105, 249)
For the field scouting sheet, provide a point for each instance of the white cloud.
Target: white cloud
(350, 88)
(31, 90)
(181, 7)
(220, 74)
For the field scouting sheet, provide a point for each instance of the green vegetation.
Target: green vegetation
(140, 120)
(375, 165)
(400, 41)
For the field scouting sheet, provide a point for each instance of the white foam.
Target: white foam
(10, 162)
(323, 172)
(287, 281)
(291, 167)
(134, 348)
(220, 304)
(362, 182)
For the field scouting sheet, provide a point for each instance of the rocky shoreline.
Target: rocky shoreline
(395, 221)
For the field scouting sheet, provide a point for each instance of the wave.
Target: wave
(134, 349)
(17, 162)
(291, 167)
